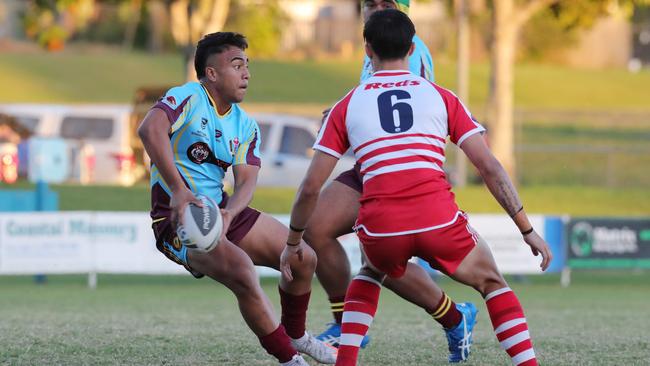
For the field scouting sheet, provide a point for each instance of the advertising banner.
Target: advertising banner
(80, 242)
(122, 242)
(608, 243)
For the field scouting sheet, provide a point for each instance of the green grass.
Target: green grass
(175, 320)
(571, 200)
(88, 77)
(78, 76)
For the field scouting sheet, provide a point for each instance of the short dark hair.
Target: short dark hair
(214, 43)
(389, 33)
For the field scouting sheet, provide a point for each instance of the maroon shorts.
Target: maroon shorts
(444, 248)
(169, 244)
(352, 178)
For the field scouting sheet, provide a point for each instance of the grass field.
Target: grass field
(552, 200)
(601, 319)
(604, 147)
(82, 76)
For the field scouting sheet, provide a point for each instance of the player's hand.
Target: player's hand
(226, 217)
(285, 259)
(537, 246)
(180, 199)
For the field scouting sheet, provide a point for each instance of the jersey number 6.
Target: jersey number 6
(393, 122)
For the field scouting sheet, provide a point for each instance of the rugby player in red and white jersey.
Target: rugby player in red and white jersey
(337, 211)
(397, 124)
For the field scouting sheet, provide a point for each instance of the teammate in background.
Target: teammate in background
(397, 124)
(193, 135)
(337, 211)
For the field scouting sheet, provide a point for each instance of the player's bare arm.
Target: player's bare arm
(154, 132)
(319, 170)
(245, 183)
(503, 190)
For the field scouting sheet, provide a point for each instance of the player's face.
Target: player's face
(229, 74)
(371, 6)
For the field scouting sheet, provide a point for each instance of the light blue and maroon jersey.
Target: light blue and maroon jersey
(420, 62)
(205, 144)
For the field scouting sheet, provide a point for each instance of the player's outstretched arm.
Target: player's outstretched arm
(154, 133)
(319, 170)
(503, 190)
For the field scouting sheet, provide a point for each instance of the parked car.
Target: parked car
(101, 142)
(286, 149)
(99, 130)
(8, 162)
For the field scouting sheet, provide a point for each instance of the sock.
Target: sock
(278, 345)
(510, 326)
(358, 312)
(294, 313)
(446, 313)
(336, 304)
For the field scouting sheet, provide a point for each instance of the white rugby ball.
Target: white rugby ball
(200, 227)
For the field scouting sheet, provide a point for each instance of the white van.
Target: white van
(101, 142)
(286, 149)
(98, 136)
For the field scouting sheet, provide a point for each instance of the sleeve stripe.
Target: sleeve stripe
(327, 151)
(172, 114)
(251, 159)
(469, 133)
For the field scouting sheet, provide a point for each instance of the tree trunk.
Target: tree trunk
(158, 20)
(501, 95)
(208, 16)
(462, 78)
(131, 26)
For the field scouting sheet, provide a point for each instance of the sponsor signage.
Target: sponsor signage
(80, 242)
(608, 243)
(123, 242)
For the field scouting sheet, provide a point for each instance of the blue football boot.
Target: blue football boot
(332, 336)
(460, 337)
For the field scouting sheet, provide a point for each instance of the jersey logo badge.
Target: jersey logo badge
(234, 144)
(198, 152)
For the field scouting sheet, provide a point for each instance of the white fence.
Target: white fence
(122, 242)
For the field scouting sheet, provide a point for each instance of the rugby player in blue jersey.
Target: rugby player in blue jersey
(195, 133)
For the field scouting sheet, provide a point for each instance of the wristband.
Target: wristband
(524, 233)
(518, 211)
(293, 245)
(293, 228)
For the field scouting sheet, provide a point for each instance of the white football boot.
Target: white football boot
(318, 350)
(296, 360)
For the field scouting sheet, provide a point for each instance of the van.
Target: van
(104, 148)
(98, 137)
(286, 149)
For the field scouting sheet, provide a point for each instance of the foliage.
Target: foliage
(52, 22)
(262, 23)
(557, 27)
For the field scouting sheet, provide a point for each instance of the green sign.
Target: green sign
(608, 243)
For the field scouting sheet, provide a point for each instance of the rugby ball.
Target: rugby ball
(200, 227)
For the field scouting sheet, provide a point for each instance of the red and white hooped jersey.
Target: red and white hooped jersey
(397, 124)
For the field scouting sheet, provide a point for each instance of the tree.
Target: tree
(508, 18)
(190, 20)
(53, 22)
